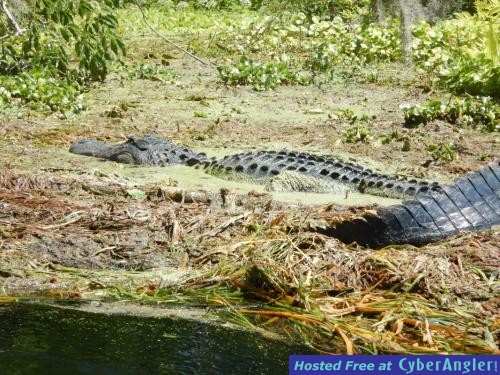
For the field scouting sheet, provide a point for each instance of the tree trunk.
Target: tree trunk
(410, 11)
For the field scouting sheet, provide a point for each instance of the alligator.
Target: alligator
(428, 213)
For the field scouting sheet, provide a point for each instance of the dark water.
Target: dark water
(46, 340)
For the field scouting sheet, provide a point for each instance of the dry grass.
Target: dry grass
(254, 260)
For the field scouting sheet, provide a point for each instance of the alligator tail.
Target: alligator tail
(471, 203)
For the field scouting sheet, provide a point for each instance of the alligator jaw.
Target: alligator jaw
(90, 147)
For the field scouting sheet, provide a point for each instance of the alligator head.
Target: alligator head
(133, 151)
(144, 151)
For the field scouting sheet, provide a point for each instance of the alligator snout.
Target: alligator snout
(88, 147)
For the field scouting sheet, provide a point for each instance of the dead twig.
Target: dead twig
(17, 29)
(221, 228)
(150, 26)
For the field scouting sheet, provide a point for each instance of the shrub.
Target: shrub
(42, 92)
(66, 45)
(469, 111)
(261, 76)
(477, 75)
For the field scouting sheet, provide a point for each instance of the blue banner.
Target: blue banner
(394, 364)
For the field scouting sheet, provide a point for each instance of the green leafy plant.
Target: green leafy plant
(349, 115)
(46, 94)
(356, 48)
(66, 45)
(468, 111)
(149, 71)
(347, 9)
(62, 29)
(476, 75)
(261, 76)
(356, 133)
(462, 53)
(442, 151)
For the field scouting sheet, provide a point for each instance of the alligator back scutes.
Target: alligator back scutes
(264, 164)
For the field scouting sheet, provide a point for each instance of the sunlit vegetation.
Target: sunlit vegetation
(475, 112)
(332, 297)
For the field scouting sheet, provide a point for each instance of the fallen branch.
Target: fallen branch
(148, 24)
(17, 29)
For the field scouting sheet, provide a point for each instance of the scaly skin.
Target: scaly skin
(434, 212)
(471, 203)
(266, 164)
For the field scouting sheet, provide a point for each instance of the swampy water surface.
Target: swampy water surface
(41, 340)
